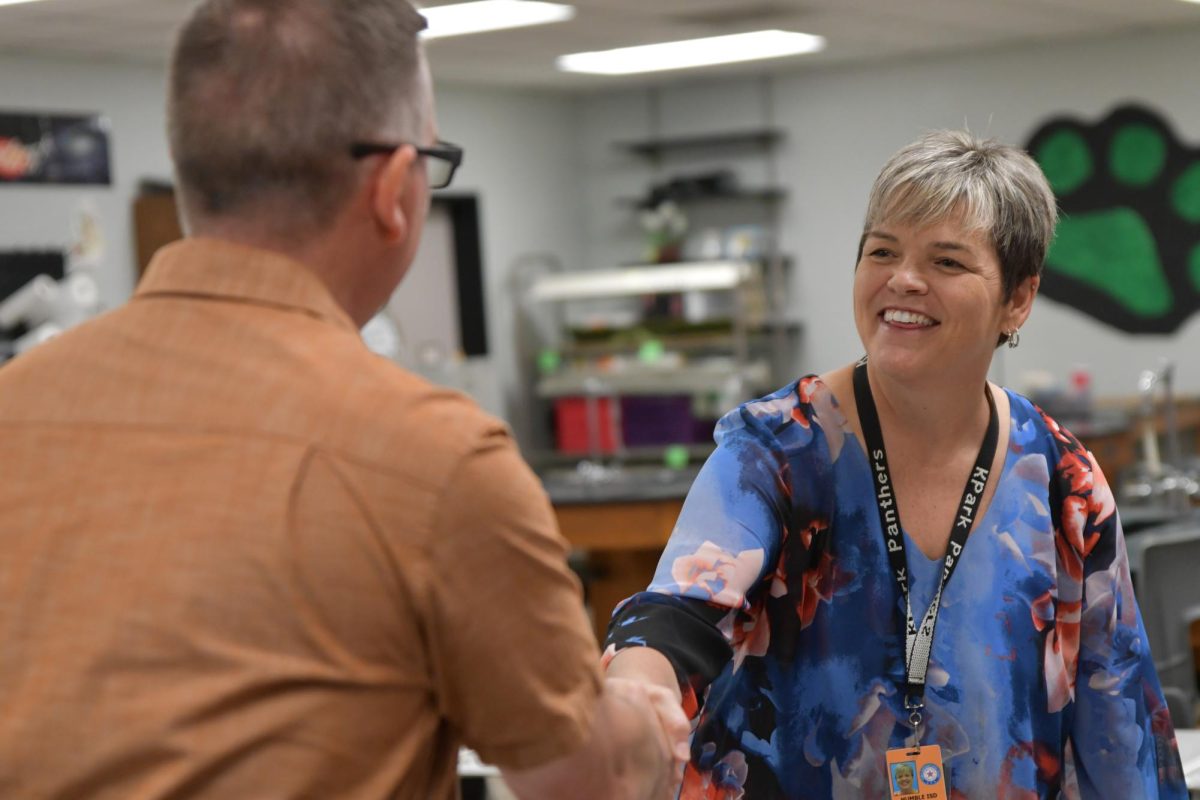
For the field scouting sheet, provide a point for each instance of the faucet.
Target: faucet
(1154, 481)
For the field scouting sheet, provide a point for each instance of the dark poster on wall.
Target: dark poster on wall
(54, 149)
(18, 268)
(1127, 247)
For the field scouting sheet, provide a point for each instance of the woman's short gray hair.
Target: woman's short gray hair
(995, 187)
(266, 97)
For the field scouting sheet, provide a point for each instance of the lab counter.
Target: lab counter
(634, 484)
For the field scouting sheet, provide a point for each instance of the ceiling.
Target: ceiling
(857, 31)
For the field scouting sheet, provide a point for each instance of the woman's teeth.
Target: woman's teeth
(907, 317)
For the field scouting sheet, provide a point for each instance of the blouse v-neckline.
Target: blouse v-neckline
(1005, 467)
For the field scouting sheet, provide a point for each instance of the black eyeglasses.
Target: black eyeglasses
(442, 159)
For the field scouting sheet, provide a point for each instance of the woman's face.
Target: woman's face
(928, 301)
(904, 779)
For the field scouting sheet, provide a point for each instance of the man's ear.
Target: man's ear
(387, 194)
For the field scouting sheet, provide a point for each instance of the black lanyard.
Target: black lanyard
(919, 641)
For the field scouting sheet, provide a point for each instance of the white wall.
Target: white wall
(520, 159)
(843, 124)
(131, 97)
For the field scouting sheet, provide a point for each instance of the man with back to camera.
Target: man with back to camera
(242, 556)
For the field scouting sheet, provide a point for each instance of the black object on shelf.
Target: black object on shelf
(682, 188)
(769, 194)
(753, 138)
(19, 267)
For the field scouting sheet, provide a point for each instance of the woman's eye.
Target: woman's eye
(949, 263)
(881, 252)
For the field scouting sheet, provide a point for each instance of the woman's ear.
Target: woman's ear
(388, 194)
(1021, 302)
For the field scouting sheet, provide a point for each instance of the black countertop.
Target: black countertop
(593, 483)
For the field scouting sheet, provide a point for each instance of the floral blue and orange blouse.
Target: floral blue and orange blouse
(775, 604)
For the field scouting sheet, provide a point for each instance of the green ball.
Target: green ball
(651, 350)
(549, 361)
(676, 456)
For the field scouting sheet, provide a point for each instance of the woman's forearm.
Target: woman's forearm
(647, 665)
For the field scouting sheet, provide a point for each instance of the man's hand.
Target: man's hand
(674, 725)
(639, 741)
(651, 670)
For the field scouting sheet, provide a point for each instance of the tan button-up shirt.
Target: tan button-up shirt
(243, 557)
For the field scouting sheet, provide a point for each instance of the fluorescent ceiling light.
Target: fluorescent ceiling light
(14, 2)
(693, 53)
(490, 15)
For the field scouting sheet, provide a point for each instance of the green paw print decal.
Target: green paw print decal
(1127, 249)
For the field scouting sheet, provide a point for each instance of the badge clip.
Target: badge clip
(914, 704)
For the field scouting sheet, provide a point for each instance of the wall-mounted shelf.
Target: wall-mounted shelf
(685, 342)
(695, 276)
(783, 323)
(724, 140)
(772, 194)
(699, 378)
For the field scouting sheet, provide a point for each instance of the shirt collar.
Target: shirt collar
(219, 269)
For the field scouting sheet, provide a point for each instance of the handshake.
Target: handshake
(638, 743)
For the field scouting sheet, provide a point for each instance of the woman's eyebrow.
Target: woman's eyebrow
(951, 246)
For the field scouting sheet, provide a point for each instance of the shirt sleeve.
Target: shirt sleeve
(517, 664)
(1121, 741)
(699, 610)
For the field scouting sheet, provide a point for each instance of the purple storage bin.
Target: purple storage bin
(654, 420)
(702, 430)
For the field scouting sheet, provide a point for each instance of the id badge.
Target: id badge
(916, 773)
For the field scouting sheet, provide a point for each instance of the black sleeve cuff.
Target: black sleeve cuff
(682, 629)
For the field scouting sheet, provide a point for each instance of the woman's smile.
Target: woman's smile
(905, 319)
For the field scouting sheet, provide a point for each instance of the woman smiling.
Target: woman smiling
(900, 559)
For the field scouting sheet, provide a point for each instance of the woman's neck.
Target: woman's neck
(946, 413)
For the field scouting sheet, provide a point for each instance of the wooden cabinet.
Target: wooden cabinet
(155, 223)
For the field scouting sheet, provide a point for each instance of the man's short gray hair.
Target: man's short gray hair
(266, 97)
(996, 188)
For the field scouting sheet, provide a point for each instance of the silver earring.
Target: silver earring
(1014, 338)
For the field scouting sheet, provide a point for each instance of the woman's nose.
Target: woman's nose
(906, 278)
